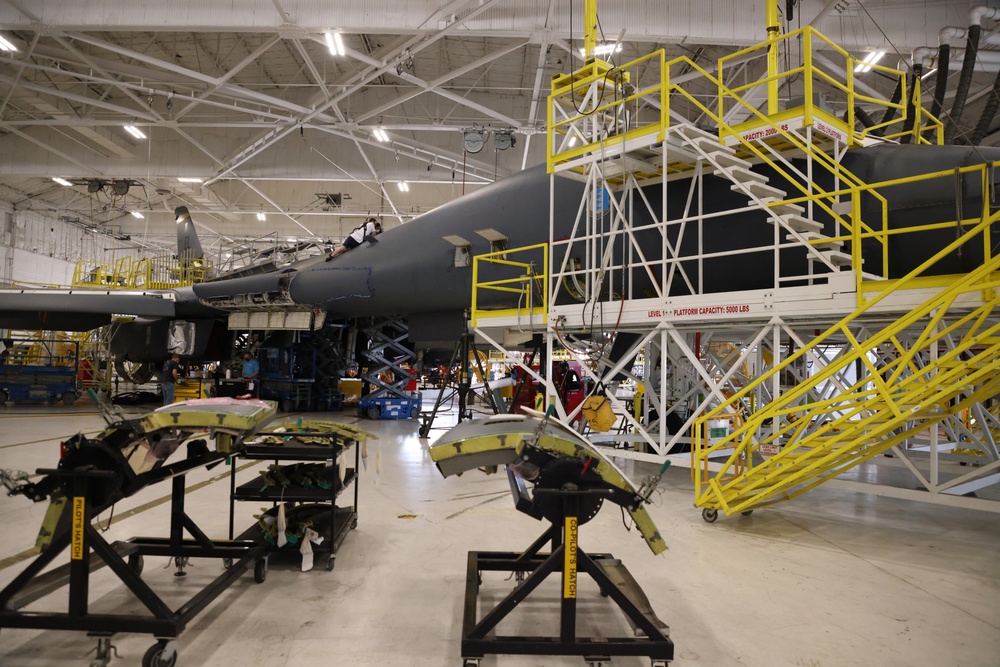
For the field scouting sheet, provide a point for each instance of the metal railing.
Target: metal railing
(523, 283)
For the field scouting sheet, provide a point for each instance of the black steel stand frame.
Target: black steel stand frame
(569, 560)
(466, 344)
(85, 542)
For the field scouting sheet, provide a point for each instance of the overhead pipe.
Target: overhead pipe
(989, 111)
(911, 109)
(986, 61)
(890, 112)
(940, 79)
(862, 116)
(964, 82)
(976, 16)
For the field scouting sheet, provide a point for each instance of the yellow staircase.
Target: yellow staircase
(797, 442)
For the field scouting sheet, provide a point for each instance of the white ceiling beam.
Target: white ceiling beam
(270, 201)
(79, 99)
(111, 79)
(375, 70)
(53, 150)
(154, 91)
(679, 21)
(235, 90)
(233, 71)
(421, 151)
(536, 88)
(441, 80)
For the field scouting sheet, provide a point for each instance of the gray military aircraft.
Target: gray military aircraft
(413, 271)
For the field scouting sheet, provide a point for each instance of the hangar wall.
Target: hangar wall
(39, 248)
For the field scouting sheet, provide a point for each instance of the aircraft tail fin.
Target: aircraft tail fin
(188, 244)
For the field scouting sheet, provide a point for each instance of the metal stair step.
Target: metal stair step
(726, 157)
(705, 143)
(822, 242)
(744, 175)
(760, 190)
(836, 257)
(799, 223)
(785, 210)
(690, 131)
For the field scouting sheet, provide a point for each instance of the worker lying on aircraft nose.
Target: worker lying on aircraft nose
(371, 227)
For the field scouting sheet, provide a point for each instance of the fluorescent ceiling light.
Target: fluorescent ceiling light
(604, 49)
(871, 59)
(335, 43)
(61, 181)
(135, 132)
(6, 46)
(380, 135)
(572, 141)
(136, 214)
(924, 76)
(403, 186)
(261, 216)
(189, 180)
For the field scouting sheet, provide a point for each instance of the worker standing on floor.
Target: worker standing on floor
(171, 375)
(251, 371)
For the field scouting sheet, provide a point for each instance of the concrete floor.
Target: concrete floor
(832, 578)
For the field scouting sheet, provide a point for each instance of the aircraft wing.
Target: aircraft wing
(503, 440)
(78, 309)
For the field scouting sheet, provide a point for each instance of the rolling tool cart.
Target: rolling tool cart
(307, 475)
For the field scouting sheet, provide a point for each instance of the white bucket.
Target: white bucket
(718, 430)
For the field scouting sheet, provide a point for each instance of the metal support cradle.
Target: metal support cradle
(125, 559)
(532, 567)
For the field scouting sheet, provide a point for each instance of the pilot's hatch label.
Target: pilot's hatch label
(76, 548)
(569, 569)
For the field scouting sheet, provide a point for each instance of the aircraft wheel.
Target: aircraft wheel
(69, 398)
(260, 571)
(747, 513)
(709, 515)
(414, 412)
(373, 412)
(135, 562)
(154, 656)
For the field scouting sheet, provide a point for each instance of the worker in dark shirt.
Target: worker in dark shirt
(171, 374)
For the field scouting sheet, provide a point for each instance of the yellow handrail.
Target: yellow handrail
(889, 394)
(522, 283)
